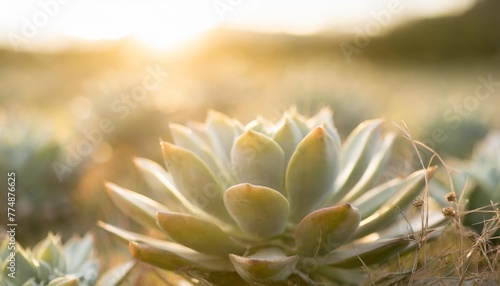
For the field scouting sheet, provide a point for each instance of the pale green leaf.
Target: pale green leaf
(185, 137)
(156, 172)
(391, 210)
(221, 130)
(258, 160)
(288, 136)
(51, 251)
(355, 156)
(311, 172)
(158, 257)
(326, 229)
(259, 211)
(367, 253)
(209, 262)
(266, 266)
(325, 118)
(195, 180)
(374, 168)
(372, 200)
(138, 207)
(198, 234)
(78, 251)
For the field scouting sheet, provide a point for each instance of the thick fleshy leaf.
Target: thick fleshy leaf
(311, 172)
(390, 211)
(24, 268)
(199, 234)
(372, 200)
(186, 138)
(138, 207)
(206, 261)
(259, 211)
(78, 251)
(50, 250)
(258, 160)
(258, 125)
(221, 130)
(64, 281)
(157, 257)
(116, 275)
(375, 167)
(368, 253)
(174, 198)
(266, 266)
(356, 155)
(300, 121)
(288, 136)
(195, 180)
(326, 229)
(325, 118)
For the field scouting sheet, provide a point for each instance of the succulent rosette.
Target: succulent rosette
(270, 203)
(50, 262)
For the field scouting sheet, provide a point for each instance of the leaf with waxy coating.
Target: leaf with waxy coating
(157, 257)
(288, 136)
(325, 117)
(221, 130)
(199, 234)
(138, 207)
(258, 160)
(373, 169)
(209, 262)
(195, 180)
(64, 281)
(154, 171)
(372, 200)
(326, 229)
(368, 253)
(51, 251)
(186, 138)
(78, 252)
(311, 172)
(259, 211)
(390, 211)
(25, 268)
(265, 266)
(356, 155)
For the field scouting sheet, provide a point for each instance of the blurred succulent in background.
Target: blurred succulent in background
(28, 146)
(479, 180)
(281, 204)
(50, 262)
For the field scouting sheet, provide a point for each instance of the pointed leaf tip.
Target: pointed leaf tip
(198, 234)
(258, 159)
(195, 181)
(265, 268)
(311, 172)
(259, 211)
(326, 229)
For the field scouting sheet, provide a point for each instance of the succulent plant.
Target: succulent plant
(478, 185)
(49, 262)
(28, 146)
(270, 203)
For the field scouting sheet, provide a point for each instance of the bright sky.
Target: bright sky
(168, 23)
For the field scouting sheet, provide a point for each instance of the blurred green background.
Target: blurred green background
(55, 102)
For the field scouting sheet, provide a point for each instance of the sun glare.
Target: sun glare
(159, 25)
